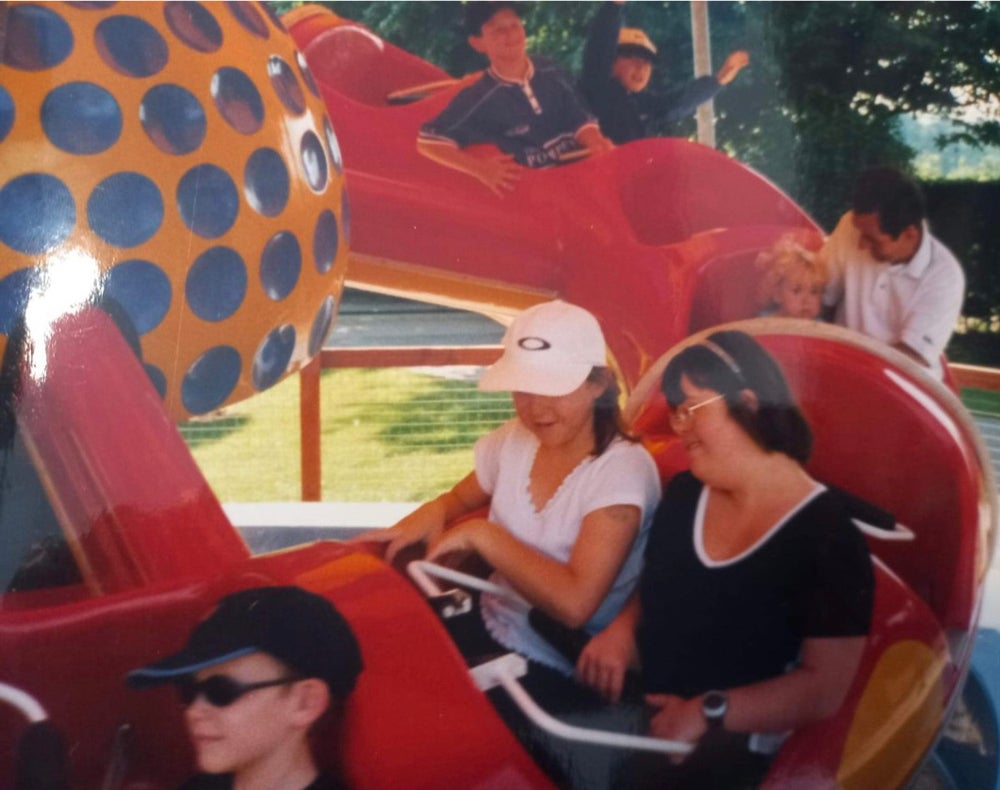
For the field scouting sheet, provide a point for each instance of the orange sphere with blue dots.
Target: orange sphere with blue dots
(174, 163)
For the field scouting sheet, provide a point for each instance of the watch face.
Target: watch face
(714, 705)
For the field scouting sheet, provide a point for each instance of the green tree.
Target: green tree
(827, 85)
(825, 95)
(842, 75)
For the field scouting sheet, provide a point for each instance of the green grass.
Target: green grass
(981, 401)
(386, 435)
(393, 435)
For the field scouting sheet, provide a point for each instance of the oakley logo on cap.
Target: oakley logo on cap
(534, 344)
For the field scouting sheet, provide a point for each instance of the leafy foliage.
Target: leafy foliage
(824, 92)
(824, 96)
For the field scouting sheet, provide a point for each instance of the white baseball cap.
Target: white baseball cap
(550, 349)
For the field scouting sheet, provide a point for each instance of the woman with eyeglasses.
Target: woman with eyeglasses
(756, 596)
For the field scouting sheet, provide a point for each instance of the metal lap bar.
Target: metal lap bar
(448, 603)
(505, 670)
(898, 533)
(29, 707)
(453, 602)
(571, 732)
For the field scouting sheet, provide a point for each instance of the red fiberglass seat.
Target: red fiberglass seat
(356, 62)
(154, 552)
(884, 431)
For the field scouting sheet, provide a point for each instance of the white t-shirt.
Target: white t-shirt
(916, 303)
(624, 474)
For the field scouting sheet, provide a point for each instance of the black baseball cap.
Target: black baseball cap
(479, 12)
(634, 43)
(299, 628)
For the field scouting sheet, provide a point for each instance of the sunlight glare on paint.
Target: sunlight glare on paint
(68, 282)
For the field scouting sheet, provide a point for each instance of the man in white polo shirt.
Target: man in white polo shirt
(889, 277)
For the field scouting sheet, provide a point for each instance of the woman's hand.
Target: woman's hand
(605, 660)
(677, 719)
(429, 520)
(424, 523)
(464, 537)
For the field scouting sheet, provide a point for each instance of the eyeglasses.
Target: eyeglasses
(220, 691)
(683, 415)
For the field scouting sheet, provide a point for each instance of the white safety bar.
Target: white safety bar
(897, 533)
(505, 670)
(421, 571)
(571, 732)
(29, 707)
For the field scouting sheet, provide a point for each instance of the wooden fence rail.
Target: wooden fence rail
(437, 356)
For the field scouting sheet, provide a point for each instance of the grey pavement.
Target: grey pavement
(368, 319)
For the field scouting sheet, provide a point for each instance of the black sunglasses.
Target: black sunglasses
(221, 690)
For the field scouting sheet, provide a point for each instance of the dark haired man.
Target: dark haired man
(526, 106)
(617, 65)
(255, 677)
(889, 277)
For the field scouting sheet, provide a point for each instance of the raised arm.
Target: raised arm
(733, 65)
(601, 47)
(680, 102)
(571, 592)
(683, 101)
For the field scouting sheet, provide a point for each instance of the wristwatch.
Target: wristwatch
(714, 706)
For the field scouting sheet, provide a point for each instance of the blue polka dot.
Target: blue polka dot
(272, 357)
(6, 113)
(173, 119)
(143, 290)
(193, 25)
(15, 290)
(265, 182)
(131, 46)
(81, 118)
(286, 85)
(207, 200)
(345, 217)
(37, 213)
(125, 209)
(321, 326)
(237, 99)
(331, 140)
(157, 379)
(211, 379)
(314, 161)
(307, 76)
(273, 16)
(246, 14)
(37, 38)
(325, 239)
(216, 284)
(280, 264)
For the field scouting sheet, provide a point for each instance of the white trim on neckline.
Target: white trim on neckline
(698, 534)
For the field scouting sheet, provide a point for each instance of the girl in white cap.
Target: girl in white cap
(570, 495)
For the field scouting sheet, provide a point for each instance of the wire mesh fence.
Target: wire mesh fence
(386, 435)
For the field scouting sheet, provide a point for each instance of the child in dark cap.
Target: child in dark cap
(255, 676)
(526, 106)
(617, 66)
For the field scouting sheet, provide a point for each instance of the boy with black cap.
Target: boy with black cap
(526, 106)
(617, 65)
(255, 676)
